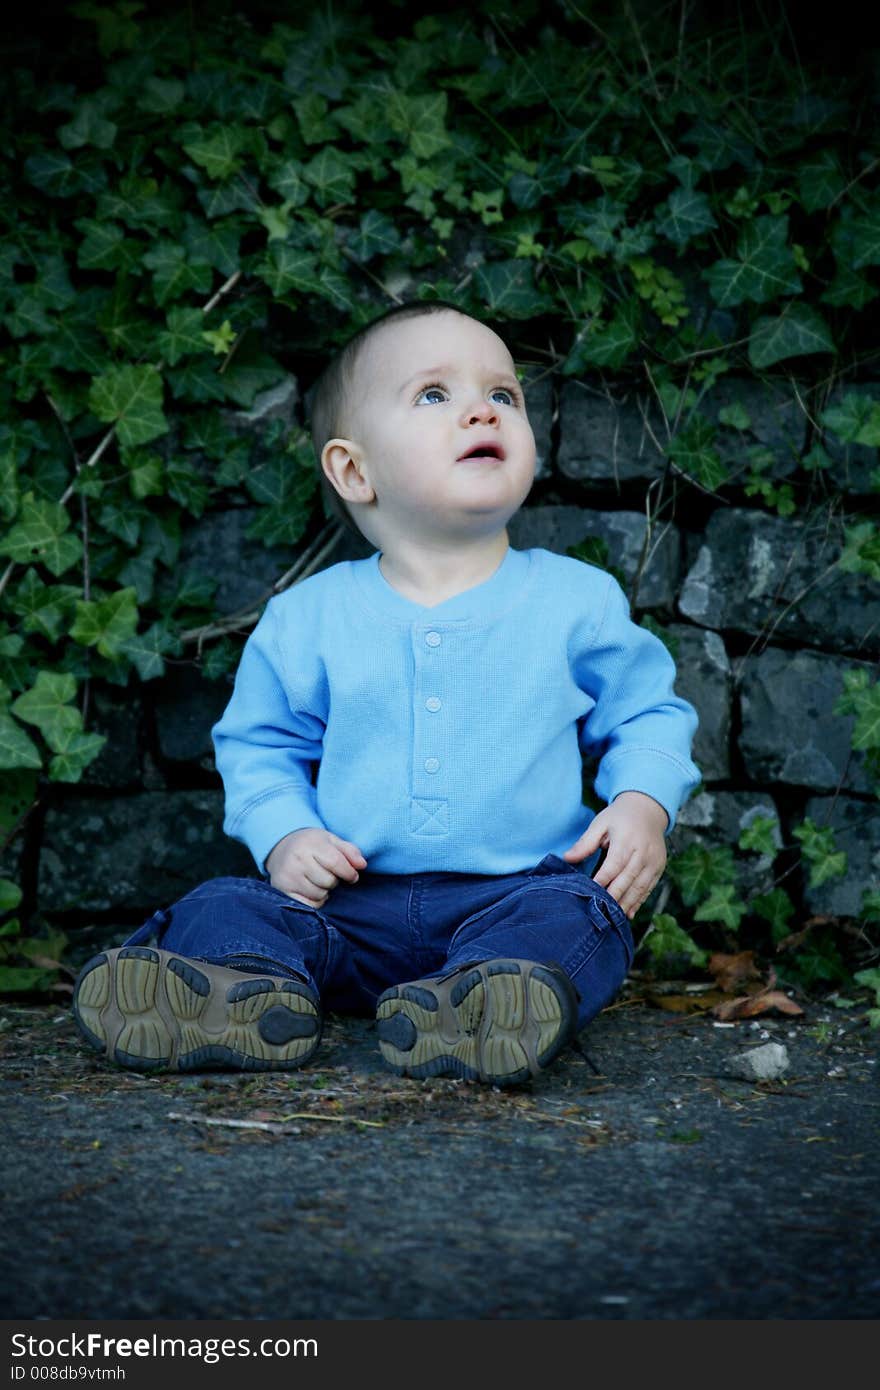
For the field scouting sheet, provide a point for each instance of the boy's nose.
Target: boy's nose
(482, 410)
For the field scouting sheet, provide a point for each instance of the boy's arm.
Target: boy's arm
(643, 733)
(265, 747)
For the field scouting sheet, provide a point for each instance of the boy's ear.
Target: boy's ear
(342, 462)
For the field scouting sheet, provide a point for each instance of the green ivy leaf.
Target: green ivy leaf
(698, 870)
(419, 120)
(666, 938)
(609, 346)
(820, 180)
(819, 852)
(376, 236)
(685, 214)
(41, 534)
(284, 268)
(331, 174)
(765, 269)
(183, 334)
(217, 150)
(288, 179)
(106, 623)
(776, 907)
(186, 486)
(131, 397)
(861, 552)
(722, 905)
(855, 420)
(798, 331)
(760, 836)
(862, 699)
(865, 232)
(101, 244)
(10, 895)
(88, 127)
(16, 749)
(693, 450)
(148, 649)
(73, 754)
(47, 705)
(53, 173)
(508, 289)
(174, 274)
(145, 475)
(43, 608)
(311, 115)
(161, 95)
(28, 317)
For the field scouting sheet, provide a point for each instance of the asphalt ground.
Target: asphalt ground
(639, 1178)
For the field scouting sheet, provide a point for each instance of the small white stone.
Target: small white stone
(764, 1063)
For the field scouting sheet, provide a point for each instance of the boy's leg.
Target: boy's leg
(539, 954)
(227, 977)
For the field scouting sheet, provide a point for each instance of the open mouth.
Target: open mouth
(483, 451)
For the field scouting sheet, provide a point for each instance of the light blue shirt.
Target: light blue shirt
(449, 738)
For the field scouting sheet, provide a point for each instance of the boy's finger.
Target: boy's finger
(336, 865)
(351, 852)
(588, 843)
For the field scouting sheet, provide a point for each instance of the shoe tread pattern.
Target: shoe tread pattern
(501, 1022)
(149, 1010)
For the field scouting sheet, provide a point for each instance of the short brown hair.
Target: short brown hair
(330, 397)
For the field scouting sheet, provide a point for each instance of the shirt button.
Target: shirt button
(433, 639)
(433, 704)
(432, 764)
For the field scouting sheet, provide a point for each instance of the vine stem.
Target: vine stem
(305, 564)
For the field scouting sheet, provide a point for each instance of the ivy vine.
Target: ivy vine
(194, 206)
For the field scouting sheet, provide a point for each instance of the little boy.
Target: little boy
(402, 756)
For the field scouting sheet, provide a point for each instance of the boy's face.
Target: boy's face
(441, 428)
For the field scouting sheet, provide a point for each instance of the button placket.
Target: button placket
(427, 749)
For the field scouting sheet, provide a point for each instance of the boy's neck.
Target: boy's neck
(431, 574)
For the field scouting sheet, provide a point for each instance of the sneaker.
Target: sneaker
(500, 1021)
(151, 1010)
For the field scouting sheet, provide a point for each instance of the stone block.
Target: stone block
(134, 853)
(187, 707)
(118, 717)
(279, 402)
(790, 732)
(537, 387)
(767, 576)
(608, 440)
(713, 819)
(704, 677)
(777, 422)
(856, 826)
(246, 569)
(557, 528)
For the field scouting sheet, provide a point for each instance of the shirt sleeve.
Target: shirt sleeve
(267, 740)
(639, 729)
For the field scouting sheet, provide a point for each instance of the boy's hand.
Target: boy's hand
(631, 829)
(308, 864)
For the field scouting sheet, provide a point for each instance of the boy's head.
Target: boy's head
(396, 413)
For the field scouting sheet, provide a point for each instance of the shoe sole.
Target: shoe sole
(150, 1010)
(501, 1022)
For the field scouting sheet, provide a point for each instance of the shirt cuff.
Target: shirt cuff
(665, 779)
(270, 820)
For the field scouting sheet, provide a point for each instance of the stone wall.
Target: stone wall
(762, 624)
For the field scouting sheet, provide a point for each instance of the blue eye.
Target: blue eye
(431, 391)
(502, 390)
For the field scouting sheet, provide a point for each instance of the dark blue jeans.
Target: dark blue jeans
(387, 929)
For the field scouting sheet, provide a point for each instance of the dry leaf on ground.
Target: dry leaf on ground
(732, 972)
